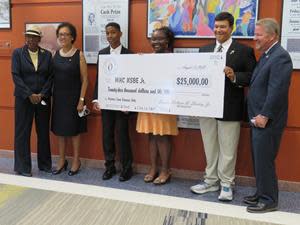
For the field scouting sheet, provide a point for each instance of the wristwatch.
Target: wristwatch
(81, 99)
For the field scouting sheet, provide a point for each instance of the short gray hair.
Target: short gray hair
(270, 25)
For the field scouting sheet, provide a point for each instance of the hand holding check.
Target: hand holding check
(229, 73)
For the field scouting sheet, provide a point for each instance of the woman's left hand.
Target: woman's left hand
(80, 106)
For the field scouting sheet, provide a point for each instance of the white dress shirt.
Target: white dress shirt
(225, 45)
(116, 50)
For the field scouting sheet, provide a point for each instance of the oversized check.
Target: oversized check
(182, 84)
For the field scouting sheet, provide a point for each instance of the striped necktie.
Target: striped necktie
(220, 48)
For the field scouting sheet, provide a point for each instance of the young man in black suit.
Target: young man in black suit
(114, 120)
(268, 112)
(221, 135)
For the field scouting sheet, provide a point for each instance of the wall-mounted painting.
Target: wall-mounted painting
(5, 14)
(49, 39)
(195, 18)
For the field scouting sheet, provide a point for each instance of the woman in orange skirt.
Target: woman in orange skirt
(159, 127)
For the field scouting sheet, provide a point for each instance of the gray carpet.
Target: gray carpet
(288, 201)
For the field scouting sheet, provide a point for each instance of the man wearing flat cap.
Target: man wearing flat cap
(32, 74)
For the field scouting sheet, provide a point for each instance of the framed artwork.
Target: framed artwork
(195, 18)
(49, 39)
(5, 14)
(290, 34)
(96, 14)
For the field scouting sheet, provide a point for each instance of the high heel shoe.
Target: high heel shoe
(58, 171)
(72, 173)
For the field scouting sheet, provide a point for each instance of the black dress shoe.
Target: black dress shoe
(251, 199)
(72, 173)
(58, 171)
(109, 173)
(125, 175)
(261, 207)
(25, 174)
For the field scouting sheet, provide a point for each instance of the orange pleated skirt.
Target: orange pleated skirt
(157, 124)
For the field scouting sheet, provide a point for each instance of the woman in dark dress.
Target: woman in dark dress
(69, 88)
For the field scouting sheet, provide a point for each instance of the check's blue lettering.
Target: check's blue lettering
(192, 81)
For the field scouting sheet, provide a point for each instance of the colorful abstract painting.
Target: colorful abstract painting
(195, 18)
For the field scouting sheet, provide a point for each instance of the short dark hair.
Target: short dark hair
(169, 35)
(71, 28)
(113, 24)
(225, 16)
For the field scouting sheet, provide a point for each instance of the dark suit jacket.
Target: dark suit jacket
(269, 87)
(242, 60)
(106, 51)
(27, 80)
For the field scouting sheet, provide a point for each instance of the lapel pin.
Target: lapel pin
(232, 51)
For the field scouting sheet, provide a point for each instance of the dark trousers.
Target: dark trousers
(265, 146)
(25, 111)
(116, 121)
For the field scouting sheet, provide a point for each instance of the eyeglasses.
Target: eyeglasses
(64, 34)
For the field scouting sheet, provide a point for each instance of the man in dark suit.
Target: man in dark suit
(267, 111)
(114, 120)
(221, 135)
(32, 73)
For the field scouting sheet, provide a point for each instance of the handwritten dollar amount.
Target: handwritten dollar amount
(192, 81)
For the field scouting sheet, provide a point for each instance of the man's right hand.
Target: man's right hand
(96, 106)
(35, 98)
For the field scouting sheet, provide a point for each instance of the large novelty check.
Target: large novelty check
(181, 84)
